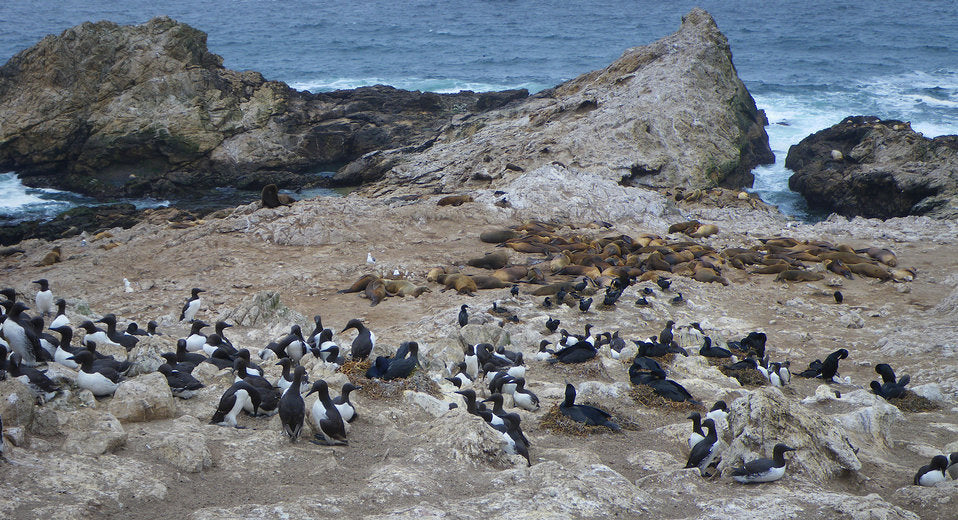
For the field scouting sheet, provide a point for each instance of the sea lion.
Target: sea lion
(434, 273)
(682, 227)
(494, 260)
(51, 258)
(558, 262)
(846, 257)
(454, 200)
(795, 275)
(704, 274)
(489, 282)
(10, 250)
(404, 288)
(581, 270)
(465, 285)
(101, 235)
(551, 289)
(904, 275)
(884, 256)
(525, 247)
(360, 285)
(497, 236)
(511, 274)
(871, 270)
(777, 267)
(837, 267)
(272, 198)
(111, 245)
(703, 231)
(375, 291)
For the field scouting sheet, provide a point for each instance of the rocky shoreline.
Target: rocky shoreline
(143, 453)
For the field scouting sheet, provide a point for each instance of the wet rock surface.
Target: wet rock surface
(867, 167)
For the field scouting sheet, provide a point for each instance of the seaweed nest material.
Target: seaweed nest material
(912, 402)
(747, 377)
(646, 396)
(590, 369)
(418, 381)
(555, 422)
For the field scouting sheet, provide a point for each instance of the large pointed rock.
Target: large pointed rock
(672, 113)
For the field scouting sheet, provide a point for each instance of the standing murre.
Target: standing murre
(61, 318)
(44, 298)
(238, 397)
(524, 398)
(96, 335)
(292, 408)
(931, 474)
(763, 470)
(285, 381)
(346, 409)
(269, 395)
(126, 340)
(220, 328)
(296, 346)
(20, 335)
(326, 420)
(192, 305)
(364, 343)
(697, 433)
(64, 350)
(703, 453)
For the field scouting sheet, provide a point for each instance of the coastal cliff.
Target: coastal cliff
(111, 110)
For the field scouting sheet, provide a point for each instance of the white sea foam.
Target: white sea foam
(437, 85)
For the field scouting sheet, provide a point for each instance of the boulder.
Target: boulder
(17, 403)
(183, 446)
(647, 119)
(87, 431)
(473, 334)
(464, 438)
(766, 417)
(882, 169)
(146, 109)
(935, 503)
(143, 398)
(145, 356)
(262, 308)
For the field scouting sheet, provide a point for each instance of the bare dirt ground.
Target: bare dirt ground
(256, 467)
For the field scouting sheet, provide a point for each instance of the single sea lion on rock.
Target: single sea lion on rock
(682, 227)
(51, 258)
(495, 260)
(434, 273)
(882, 255)
(871, 270)
(272, 198)
(489, 282)
(704, 231)
(497, 236)
(454, 200)
(463, 284)
(795, 275)
(7, 251)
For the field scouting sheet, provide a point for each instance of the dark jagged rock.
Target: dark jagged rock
(111, 110)
(868, 167)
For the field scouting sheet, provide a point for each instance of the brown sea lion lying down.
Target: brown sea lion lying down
(272, 198)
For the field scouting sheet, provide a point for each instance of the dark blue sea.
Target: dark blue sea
(807, 64)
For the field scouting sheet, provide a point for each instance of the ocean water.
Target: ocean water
(808, 65)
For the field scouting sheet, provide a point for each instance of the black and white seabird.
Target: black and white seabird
(184, 356)
(20, 334)
(240, 396)
(931, 474)
(719, 415)
(763, 470)
(269, 395)
(292, 408)
(524, 398)
(196, 339)
(364, 342)
(126, 340)
(346, 409)
(703, 453)
(134, 330)
(44, 299)
(326, 420)
(586, 414)
(192, 305)
(953, 465)
(697, 433)
(101, 380)
(285, 381)
(43, 387)
(61, 318)
(182, 384)
(96, 335)
(463, 315)
(220, 328)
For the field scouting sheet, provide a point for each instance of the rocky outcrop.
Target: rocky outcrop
(107, 110)
(672, 113)
(867, 167)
